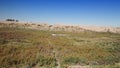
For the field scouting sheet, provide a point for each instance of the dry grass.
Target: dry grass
(21, 47)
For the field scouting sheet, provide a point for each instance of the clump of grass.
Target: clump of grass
(75, 60)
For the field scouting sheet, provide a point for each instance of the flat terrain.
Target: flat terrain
(31, 48)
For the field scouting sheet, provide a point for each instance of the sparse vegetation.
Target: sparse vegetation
(27, 48)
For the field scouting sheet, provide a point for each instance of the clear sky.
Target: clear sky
(83, 12)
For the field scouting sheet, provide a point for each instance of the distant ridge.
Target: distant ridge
(59, 27)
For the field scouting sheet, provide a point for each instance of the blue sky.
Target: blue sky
(82, 12)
